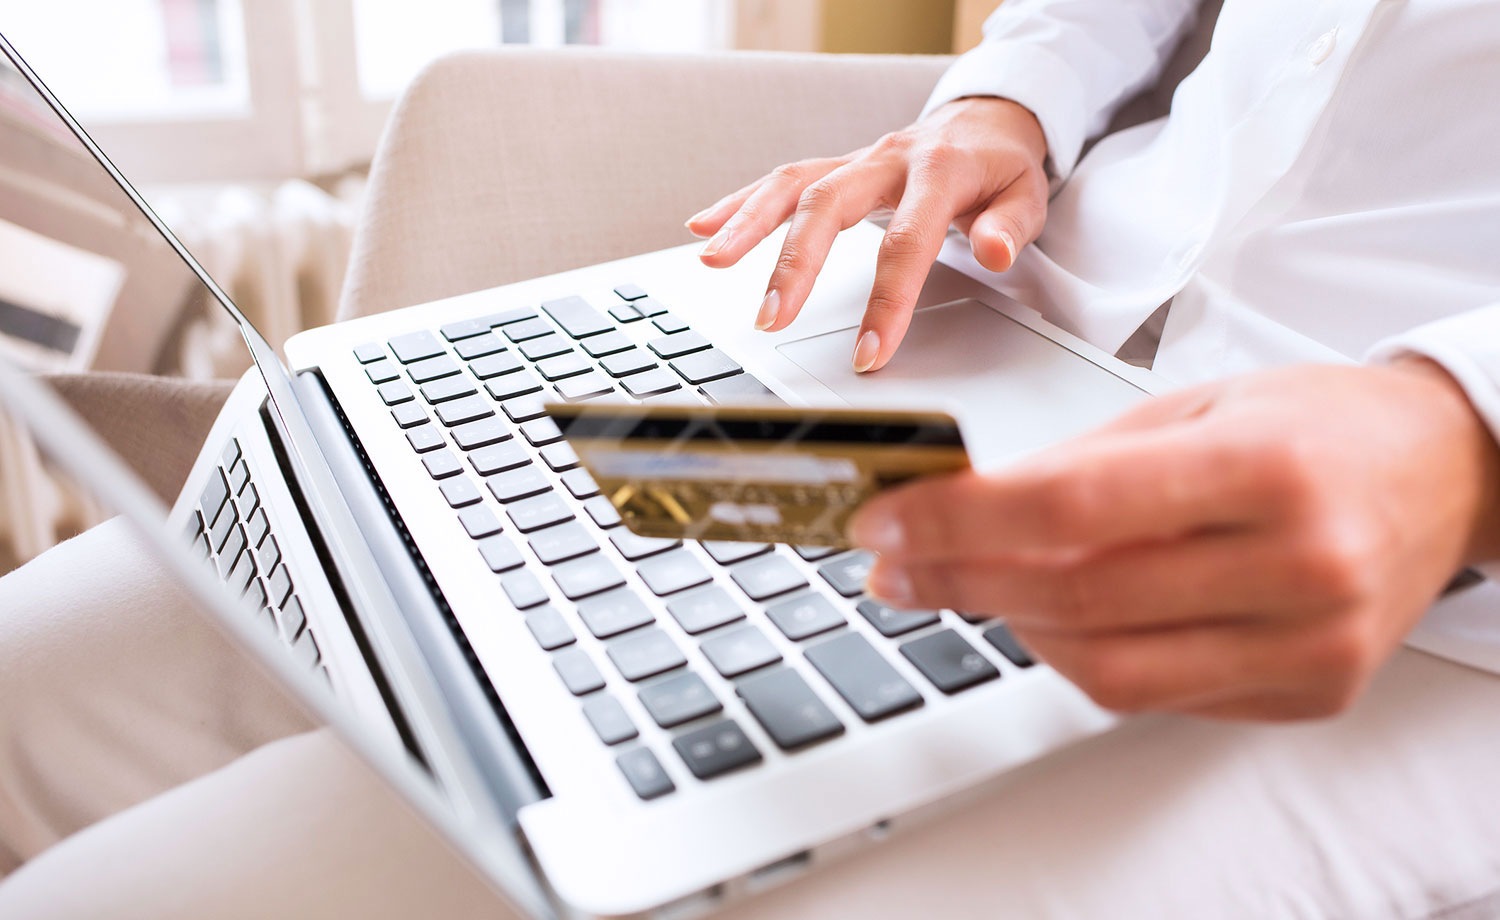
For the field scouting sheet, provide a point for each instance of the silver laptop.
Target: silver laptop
(604, 724)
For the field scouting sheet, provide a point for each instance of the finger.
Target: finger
(910, 246)
(763, 210)
(1098, 493)
(708, 221)
(1210, 578)
(1170, 668)
(1010, 223)
(832, 204)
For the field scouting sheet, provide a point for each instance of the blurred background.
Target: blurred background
(250, 125)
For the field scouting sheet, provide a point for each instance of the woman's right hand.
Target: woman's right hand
(975, 162)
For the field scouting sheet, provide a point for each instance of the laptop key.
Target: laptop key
(465, 328)
(524, 408)
(541, 431)
(677, 344)
(479, 521)
(432, 369)
(249, 501)
(767, 577)
(675, 571)
(512, 385)
(562, 542)
(424, 438)
(948, 661)
(527, 329)
(645, 653)
(704, 610)
(495, 364)
(650, 383)
(548, 346)
(678, 699)
(562, 366)
(716, 749)
(306, 651)
(531, 514)
(847, 573)
(633, 546)
(215, 494)
(741, 388)
(865, 680)
(465, 409)
(609, 719)
(583, 577)
(219, 534)
(496, 458)
(626, 363)
(739, 651)
(447, 388)
(577, 317)
(441, 464)
(409, 415)
(614, 613)
(460, 492)
(480, 345)
(577, 671)
(703, 366)
(549, 629)
(602, 512)
(381, 371)
(481, 433)
(805, 615)
(279, 586)
(500, 554)
(523, 589)
(415, 346)
(257, 528)
(814, 553)
(580, 484)
(1002, 639)
(517, 484)
(268, 555)
(230, 554)
(892, 621)
(788, 709)
(665, 321)
(239, 477)
(644, 773)
(293, 620)
(559, 457)
(607, 344)
(513, 315)
(368, 353)
(625, 313)
(584, 386)
(629, 292)
(728, 552)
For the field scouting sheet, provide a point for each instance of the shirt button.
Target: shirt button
(1322, 48)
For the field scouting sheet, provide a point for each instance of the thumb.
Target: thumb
(1009, 223)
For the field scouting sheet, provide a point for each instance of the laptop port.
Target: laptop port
(772, 874)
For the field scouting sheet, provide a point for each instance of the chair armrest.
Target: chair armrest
(503, 165)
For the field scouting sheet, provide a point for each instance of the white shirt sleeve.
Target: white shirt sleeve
(1071, 62)
(1467, 346)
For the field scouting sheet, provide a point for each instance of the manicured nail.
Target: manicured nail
(878, 531)
(891, 583)
(769, 308)
(1010, 246)
(866, 351)
(717, 243)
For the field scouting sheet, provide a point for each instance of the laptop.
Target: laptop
(603, 724)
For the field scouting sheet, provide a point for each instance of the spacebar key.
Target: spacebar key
(862, 677)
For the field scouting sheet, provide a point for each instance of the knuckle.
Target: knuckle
(903, 240)
(792, 261)
(938, 156)
(822, 195)
(894, 141)
(1336, 568)
(789, 172)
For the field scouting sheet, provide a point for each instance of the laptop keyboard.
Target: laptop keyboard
(469, 399)
(230, 527)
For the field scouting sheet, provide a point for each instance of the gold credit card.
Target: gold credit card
(753, 474)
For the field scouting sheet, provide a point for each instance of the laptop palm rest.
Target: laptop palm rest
(1013, 389)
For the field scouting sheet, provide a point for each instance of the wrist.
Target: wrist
(1470, 439)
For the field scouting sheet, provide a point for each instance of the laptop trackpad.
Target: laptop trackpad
(1013, 389)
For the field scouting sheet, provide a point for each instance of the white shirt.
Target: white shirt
(1326, 188)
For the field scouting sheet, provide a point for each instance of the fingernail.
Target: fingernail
(1010, 246)
(688, 224)
(878, 531)
(866, 351)
(718, 242)
(769, 308)
(891, 583)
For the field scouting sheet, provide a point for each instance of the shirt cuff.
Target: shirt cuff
(1029, 76)
(1467, 346)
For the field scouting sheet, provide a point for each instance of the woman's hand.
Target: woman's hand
(1253, 548)
(976, 162)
